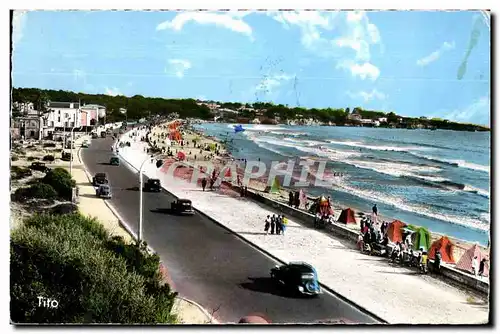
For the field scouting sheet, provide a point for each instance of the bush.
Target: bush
(48, 158)
(49, 145)
(37, 190)
(61, 181)
(17, 173)
(14, 158)
(32, 158)
(67, 258)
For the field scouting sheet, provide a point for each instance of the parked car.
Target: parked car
(114, 161)
(66, 156)
(94, 135)
(104, 191)
(297, 277)
(153, 185)
(39, 166)
(182, 206)
(85, 144)
(99, 178)
(103, 134)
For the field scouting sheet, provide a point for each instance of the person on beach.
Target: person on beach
(437, 261)
(273, 223)
(242, 191)
(279, 225)
(246, 191)
(204, 183)
(268, 224)
(297, 199)
(482, 266)
(284, 225)
(290, 198)
(475, 265)
(375, 210)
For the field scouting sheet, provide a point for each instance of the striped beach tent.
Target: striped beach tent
(465, 262)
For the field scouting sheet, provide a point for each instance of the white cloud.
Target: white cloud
(477, 112)
(179, 66)
(435, 55)
(351, 30)
(18, 24)
(363, 70)
(230, 20)
(113, 91)
(271, 82)
(368, 96)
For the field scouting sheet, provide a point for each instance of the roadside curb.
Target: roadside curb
(202, 310)
(265, 252)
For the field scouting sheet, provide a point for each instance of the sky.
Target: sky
(415, 63)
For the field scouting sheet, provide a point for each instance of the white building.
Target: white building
(382, 119)
(90, 114)
(63, 114)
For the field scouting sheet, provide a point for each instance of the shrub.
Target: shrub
(17, 172)
(61, 181)
(48, 158)
(14, 158)
(37, 190)
(66, 258)
(49, 145)
(32, 158)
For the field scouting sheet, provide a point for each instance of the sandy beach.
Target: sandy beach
(392, 292)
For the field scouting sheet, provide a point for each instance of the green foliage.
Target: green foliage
(14, 158)
(61, 181)
(37, 190)
(17, 173)
(48, 158)
(69, 258)
(31, 158)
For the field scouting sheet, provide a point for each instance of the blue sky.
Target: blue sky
(401, 61)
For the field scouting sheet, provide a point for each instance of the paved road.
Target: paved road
(206, 262)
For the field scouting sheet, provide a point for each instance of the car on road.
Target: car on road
(114, 161)
(104, 191)
(39, 166)
(152, 185)
(94, 135)
(297, 277)
(66, 156)
(182, 206)
(99, 178)
(103, 134)
(85, 144)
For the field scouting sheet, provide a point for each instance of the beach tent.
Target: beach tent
(347, 217)
(421, 238)
(275, 187)
(238, 128)
(394, 231)
(445, 247)
(212, 146)
(228, 173)
(181, 155)
(465, 262)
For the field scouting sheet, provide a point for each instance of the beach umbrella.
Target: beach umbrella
(181, 155)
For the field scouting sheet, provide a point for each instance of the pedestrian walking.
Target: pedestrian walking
(482, 266)
(273, 223)
(268, 224)
(375, 209)
(279, 225)
(204, 183)
(475, 265)
(284, 225)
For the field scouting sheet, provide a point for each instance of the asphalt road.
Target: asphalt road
(206, 262)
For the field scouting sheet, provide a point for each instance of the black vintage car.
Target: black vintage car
(99, 178)
(39, 166)
(182, 206)
(66, 156)
(152, 185)
(297, 277)
(94, 135)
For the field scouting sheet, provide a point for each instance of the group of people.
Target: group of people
(294, 199)
(275, 223)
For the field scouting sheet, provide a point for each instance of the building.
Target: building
(63, 115)
(354, 117)
(382, 119)
(90, 114)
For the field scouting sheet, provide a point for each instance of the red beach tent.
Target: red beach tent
(394, 231)
(347, 216)
(181, 156)
(445, 247)
(465, 262)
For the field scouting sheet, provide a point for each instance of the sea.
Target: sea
(438, 179)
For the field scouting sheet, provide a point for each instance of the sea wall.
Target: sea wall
(450, 273)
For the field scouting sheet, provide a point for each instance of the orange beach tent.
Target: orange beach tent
(465, 262)
(347, 216)
(394, 231)
(445, 247)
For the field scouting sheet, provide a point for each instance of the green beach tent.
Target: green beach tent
(275, 188)
(422, 239)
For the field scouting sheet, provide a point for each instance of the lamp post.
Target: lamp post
(140, 191)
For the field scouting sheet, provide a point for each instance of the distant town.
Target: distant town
(37, 113)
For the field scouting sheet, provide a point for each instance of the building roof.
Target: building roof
(63, 105)
(93, 106)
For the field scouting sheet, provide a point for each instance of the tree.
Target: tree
(392, 117)
(61, 181)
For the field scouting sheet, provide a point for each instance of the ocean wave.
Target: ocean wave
(480, 192)
(470, 222)
(442, 147)
(304, 141)
(455, 163)
(289, 133)
(376, 148)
